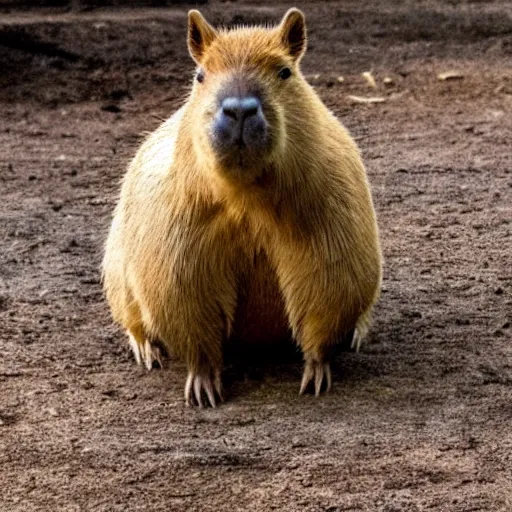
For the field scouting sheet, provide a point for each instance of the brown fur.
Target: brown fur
(201, 248)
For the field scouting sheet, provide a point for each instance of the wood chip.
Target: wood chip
(367, 75)
(450, 75)
(360, 99)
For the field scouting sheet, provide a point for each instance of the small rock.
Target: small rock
(53, 412)
(97, 201)
(361, 99)
(450, 75)
(367, 75)
(90, 280)
(297, 443)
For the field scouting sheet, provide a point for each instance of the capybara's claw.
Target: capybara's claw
(357, 339)
(151, 354)
(316, 372)
(146, 352)
(199, 383)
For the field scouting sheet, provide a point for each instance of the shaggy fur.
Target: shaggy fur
(202, 248)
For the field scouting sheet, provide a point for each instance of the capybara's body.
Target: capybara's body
(248, 213)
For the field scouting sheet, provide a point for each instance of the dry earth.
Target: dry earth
(419, 420)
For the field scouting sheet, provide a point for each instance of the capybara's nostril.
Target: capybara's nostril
(249, 106)
(240, 108)
(231, 108)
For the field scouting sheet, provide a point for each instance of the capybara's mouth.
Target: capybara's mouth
(240, 157)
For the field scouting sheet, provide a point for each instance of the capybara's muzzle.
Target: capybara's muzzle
(239, 124)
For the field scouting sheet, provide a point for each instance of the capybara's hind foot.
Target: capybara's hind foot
(146, 352)
(203, 383)
(316, 372)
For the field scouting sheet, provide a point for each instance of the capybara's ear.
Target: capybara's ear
(200, 35)
(293, 32)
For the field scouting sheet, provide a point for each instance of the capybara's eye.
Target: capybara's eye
(200, 76)
(285, 73)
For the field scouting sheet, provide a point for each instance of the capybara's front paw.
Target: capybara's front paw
(202, 384)
(318, 373)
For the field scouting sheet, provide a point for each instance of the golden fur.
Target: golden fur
(197, 245)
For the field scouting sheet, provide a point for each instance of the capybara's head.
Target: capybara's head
(245, 91)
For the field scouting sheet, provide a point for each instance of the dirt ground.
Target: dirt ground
(420, 419)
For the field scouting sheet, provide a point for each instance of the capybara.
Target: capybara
(247, 213)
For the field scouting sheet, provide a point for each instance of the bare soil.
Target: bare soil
(420, 419)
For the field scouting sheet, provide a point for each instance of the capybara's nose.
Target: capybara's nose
(240, 108)
(240, 124)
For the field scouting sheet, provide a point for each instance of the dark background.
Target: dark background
(85, 4)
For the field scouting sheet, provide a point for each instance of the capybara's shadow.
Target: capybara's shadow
(280, 359)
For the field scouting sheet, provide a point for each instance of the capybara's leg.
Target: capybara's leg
(317, 337)
(319, 311)
(202, 314)
(190, 316)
